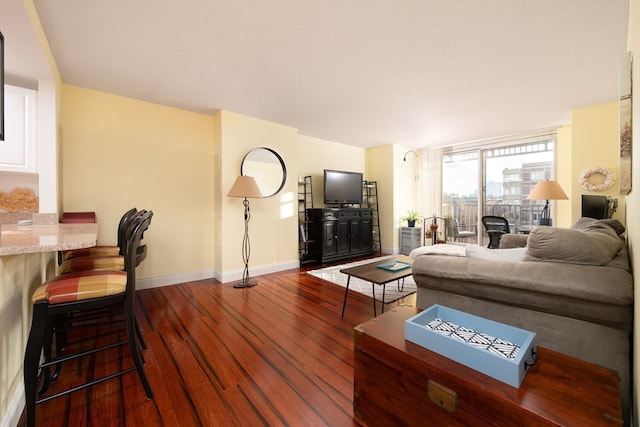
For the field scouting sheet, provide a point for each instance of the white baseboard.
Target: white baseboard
(156, 282)
(392, 251)
(230, 276)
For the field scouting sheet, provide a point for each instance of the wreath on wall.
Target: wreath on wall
(609, 179)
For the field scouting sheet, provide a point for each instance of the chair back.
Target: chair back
(78, 217)
(122, 227)
(495, 223)
(455, 230)
(495, 226)
(134, 252)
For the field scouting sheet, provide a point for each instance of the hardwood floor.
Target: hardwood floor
(275, 354)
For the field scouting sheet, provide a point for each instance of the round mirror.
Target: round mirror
(267, 167)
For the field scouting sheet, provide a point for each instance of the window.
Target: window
(496, 180)
(460, 193)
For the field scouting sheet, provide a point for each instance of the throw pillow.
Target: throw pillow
(594, 246)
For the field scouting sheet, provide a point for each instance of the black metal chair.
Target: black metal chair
(496, 227)
(74, 293)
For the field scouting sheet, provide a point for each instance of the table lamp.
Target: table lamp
(245, 186)
(547, 190)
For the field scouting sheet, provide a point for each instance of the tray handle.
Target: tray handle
(534, 359)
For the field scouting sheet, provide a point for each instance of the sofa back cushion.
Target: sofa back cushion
(589, 242)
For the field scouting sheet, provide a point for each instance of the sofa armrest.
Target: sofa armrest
(509, 241)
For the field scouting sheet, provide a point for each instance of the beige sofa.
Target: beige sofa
(572, 287)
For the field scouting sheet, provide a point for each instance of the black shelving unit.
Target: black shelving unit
(370, 200)
(435, 230)
(305, 201)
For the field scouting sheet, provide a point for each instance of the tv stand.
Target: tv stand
(338, 234)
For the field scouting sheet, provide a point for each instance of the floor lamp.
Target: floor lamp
(547, 190)
(245, 186)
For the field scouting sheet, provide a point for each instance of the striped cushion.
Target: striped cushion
(94, 251)
(90, 263)
(78, 287)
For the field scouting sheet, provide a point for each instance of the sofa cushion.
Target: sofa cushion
(592, 244)
(480, 252)
(509, 241)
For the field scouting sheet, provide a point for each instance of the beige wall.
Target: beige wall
(595, 143)
(379, 168)
(564, 176)
(408, 184)
(315, 155)
(399, 189)
(591, 140)
(119, 153)
(632, 200)
(273, 228)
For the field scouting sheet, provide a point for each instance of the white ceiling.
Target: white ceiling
(359, 72)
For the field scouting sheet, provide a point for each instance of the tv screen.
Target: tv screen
(341, 187)
(595, 206)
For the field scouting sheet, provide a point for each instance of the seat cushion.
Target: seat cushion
(78, 287)
(94, 251)
(91, 263)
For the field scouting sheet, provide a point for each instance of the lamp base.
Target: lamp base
(246, 283)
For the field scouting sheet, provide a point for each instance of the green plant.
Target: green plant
(412, 216)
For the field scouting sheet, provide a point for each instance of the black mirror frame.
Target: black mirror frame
(284, 168)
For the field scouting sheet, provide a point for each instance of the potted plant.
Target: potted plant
(411, 218)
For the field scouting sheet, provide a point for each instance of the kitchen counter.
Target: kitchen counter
(16, 239)
(20, 245)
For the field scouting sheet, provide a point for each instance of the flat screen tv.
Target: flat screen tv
(595, 206)
(341, 187)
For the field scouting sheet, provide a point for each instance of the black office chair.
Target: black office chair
(495, 226)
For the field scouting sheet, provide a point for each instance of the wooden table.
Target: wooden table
(377, 276)
(397, 382)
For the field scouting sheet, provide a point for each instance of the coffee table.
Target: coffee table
(398, 382)
(370, 272)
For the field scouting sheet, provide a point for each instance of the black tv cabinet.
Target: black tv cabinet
(337, 234)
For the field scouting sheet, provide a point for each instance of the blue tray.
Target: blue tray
(394, 265)
(474, 353)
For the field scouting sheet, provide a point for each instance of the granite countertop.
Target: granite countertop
(19, 239)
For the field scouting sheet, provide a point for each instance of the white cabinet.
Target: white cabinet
(18, 150)
(410, 238)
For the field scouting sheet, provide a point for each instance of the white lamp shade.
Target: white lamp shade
(245, 186)
(547, 190)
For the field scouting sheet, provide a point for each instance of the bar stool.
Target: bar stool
(100, 250)
(78, 263)
(81, 292)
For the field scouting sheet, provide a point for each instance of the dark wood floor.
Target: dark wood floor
(276, 354)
